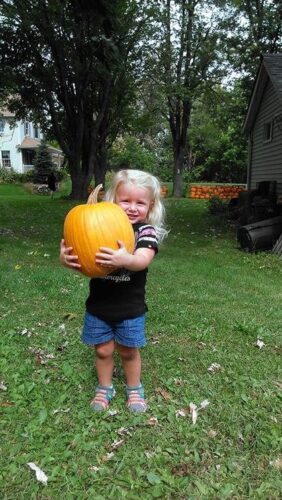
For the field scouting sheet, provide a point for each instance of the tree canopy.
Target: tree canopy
(75, 78)
(157, 74)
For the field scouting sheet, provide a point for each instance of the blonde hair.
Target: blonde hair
(156, 214)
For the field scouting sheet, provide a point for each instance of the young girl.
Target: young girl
(115, 307)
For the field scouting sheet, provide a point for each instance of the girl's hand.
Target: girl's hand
(113, 259)
(67, 259)
(107, 257)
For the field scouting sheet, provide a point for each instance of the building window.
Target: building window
(6, 161)
(2, 126)
(267, 132)
(26, 128)
(28, 157)
(36, 131)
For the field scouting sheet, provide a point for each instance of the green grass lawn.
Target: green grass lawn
(208, 303)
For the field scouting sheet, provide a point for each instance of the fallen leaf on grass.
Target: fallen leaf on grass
(181, 470)
(107, 457)
(214, 368)
(182, 413)
(194, 412)
(63, 346)
(26, 332)
(260, 344)
(166, 395)
(40, 475)
(277, 464)
(116, 444)
(274, 419)
(204, 404)
(201, 345)
(124, 431)
(112, 413)
(40, 356)
(3, 387)
(69, 316)
(178, 381)
(94, 468)
(61, 411)
(152, 421)
(154, 340)
(6, 403)
(212, 434)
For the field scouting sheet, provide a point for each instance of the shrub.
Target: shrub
(216, 206)
(7, 176)
(43, 164)
(12, 177)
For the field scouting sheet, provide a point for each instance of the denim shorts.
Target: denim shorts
(129, 332)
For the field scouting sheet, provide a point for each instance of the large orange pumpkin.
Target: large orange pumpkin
(93, 225)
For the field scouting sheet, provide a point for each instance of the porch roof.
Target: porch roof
(31, 143)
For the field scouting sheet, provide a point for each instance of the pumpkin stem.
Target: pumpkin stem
(93, 197)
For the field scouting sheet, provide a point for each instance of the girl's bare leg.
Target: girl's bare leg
(131, 362)
(105, 362)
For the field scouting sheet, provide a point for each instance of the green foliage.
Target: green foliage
(12, 177)
(144, 153)
(77, 78)
(127, 152)
(217, 206)
(43, 165)
(218, 145)
(260, 33)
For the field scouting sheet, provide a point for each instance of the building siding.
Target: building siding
(11, 138)
(267, 156)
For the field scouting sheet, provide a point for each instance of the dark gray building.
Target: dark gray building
(263, 124)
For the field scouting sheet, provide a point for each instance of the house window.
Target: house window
(26, 128)
(28, 157)
(36, 132)
(267, 132)
(6, 161)
(2, 125)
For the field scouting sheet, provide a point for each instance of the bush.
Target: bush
(7, 176)
(12, 177)
(216, 206)
(127, 152)
(43, 165)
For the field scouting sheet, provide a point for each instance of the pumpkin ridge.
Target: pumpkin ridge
(89, 227)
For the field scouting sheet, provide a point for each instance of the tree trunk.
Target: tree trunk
(80, 179)
(178, 170)
(80, 183)
(100, 166)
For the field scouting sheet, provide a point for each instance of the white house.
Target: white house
(18, 143)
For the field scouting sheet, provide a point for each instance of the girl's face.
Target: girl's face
(135, 201)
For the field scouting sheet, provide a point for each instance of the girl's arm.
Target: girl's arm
(107, 257)
(66, 257)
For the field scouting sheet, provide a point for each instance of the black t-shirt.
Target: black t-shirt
(121, 294)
